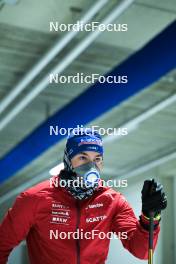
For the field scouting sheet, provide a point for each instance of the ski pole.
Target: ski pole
(151, 228)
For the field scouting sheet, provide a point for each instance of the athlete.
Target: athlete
(72, 221)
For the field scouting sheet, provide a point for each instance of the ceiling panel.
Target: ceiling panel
(166, 6)
(143, 24)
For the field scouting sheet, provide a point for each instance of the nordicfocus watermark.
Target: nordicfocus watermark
(80, 234)
(110, 131)
(80, 26)
(80, 77)
(78, 182)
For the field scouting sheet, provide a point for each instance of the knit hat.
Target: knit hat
(80, 140)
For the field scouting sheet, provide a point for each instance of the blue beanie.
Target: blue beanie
(83, 139)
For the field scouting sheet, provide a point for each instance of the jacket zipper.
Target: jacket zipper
(77, 227)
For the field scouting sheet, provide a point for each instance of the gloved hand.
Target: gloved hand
(153, 198)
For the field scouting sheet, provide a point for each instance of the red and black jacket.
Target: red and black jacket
(44, 210)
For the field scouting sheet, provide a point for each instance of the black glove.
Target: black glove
(153, 198)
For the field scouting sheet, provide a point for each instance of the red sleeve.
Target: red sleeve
(16, 224)
(137, 237)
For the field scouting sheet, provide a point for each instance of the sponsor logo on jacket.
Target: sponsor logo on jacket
(60, 213)
(95, 219)
(90, 206)
(59, 220)
(59, 206)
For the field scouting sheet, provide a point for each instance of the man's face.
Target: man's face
(86, 157)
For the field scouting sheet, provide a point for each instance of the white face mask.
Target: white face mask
(88, 173)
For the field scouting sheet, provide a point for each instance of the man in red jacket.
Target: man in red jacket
(73, 221)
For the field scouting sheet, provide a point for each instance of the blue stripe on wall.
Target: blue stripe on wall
(142, 68)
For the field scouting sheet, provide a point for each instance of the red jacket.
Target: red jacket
(41, 213)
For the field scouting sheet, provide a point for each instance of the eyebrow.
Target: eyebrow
(98, 155)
